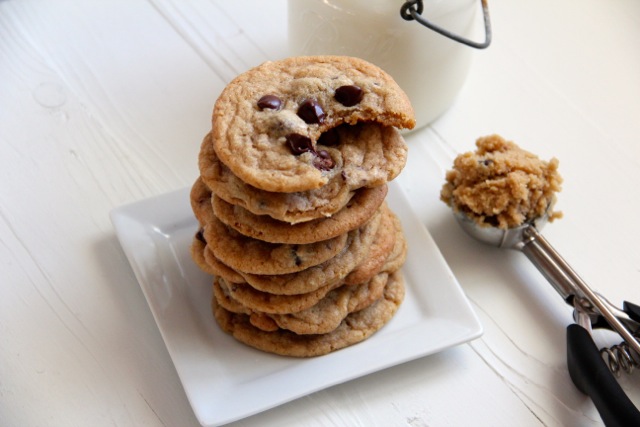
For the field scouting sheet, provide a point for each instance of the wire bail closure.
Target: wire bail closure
(412, 10)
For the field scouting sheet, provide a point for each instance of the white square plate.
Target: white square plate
(214, 368)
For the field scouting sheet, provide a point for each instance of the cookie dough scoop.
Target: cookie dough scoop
(587, 368)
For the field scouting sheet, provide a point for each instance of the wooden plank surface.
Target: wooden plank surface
(105, 103)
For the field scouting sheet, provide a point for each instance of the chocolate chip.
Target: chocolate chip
(296, 257)
(323, 161)
(349, 95)
(200, 236)
(492, 220)
(299, 143)
(311, 112)
(329, 138)
(269, 102)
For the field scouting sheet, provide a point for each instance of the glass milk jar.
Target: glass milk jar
(430, 67)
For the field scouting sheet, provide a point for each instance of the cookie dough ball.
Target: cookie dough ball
(502, 185)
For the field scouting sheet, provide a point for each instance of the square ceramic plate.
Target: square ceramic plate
(214, 368)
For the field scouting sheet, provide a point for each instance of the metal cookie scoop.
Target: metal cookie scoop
(587, 369)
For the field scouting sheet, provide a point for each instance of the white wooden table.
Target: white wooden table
(103, 103)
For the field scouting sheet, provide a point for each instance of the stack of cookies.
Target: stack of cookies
(294, 227)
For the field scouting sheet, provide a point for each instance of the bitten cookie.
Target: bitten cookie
(268, 122)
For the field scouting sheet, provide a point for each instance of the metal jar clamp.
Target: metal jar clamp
(412, 10)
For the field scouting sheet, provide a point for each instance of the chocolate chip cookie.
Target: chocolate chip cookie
(330, 311)
(269, 123)
(359, 210)
(332, 271)
(355, 328)
(249, 255)
(359, 244)
(321, 318)
(289, 207)
(386, 246)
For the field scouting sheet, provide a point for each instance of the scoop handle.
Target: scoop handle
(545, 263)
(567, 282)
(592, 376)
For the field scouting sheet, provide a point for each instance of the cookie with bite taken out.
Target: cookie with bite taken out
(274, 126)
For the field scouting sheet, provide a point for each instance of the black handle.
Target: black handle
(632, 310)
(592, 376)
